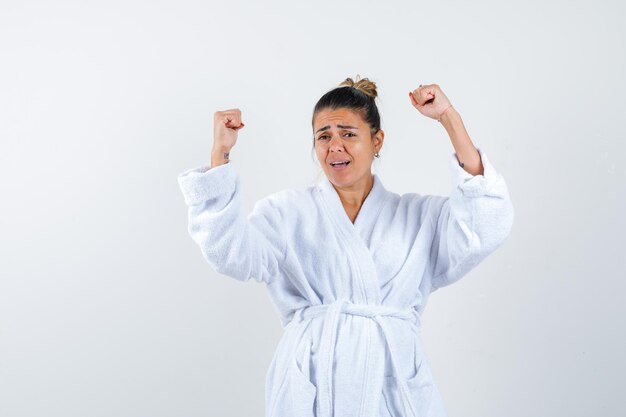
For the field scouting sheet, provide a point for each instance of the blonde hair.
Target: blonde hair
(364, 85)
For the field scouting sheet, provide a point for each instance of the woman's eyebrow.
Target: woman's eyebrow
(339, 126)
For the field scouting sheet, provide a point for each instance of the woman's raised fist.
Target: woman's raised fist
(430, 101)
(226, 125)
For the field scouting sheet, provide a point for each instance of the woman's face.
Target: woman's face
(343, 135)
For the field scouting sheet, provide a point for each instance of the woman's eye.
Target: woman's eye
(326, 136)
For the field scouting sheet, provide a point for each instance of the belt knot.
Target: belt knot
(343, 305)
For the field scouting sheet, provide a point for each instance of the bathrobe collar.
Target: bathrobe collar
(356, 236)
(369, 209)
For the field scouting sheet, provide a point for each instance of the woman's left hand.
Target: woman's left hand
(430, 101)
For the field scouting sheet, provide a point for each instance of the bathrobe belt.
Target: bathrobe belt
(327, 345)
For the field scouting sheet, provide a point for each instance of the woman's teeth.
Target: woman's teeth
(340, 163)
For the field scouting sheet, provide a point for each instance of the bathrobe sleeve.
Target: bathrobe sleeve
(472, 222)
(234, 244)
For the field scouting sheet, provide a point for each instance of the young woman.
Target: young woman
(348, 264)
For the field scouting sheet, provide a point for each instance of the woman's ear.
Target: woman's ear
(379, 138)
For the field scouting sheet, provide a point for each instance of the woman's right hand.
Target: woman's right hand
(226, 125)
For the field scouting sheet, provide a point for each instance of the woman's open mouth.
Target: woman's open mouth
(338, 166)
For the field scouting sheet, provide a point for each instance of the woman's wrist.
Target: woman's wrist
(449, 116)
(219, 156)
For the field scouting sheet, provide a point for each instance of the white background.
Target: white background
(107, 307)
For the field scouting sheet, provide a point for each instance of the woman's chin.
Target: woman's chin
(340, 179)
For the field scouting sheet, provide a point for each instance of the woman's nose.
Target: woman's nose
(335, 143)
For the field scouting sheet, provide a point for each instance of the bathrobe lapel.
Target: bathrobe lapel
(355, 236)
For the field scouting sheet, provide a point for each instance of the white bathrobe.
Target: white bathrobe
(349, 296)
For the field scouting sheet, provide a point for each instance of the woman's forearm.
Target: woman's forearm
(465, 150)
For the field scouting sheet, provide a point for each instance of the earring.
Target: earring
(377, 155)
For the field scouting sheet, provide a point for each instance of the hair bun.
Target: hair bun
(362, 84)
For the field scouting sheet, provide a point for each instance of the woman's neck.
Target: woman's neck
(353, 197)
